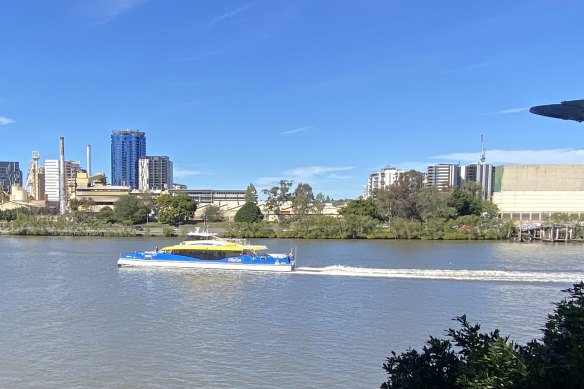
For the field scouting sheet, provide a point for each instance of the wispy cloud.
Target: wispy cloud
(4, 120)
(551, 156)
(104, 11)
(297, 130)
(182, 173)
(309, 174)
(512, 110)
(231, 14)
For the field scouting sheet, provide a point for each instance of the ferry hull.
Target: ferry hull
(133, 261)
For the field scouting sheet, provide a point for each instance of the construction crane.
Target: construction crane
(483, 158)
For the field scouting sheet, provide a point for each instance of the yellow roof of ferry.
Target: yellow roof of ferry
(210, 247)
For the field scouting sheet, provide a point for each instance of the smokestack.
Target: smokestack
(88, 160)
(62, 181)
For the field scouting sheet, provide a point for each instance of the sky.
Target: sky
(322, 92)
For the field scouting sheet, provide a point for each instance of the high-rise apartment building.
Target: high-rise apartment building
(482, 174)
(155, 173)
(443, 176)
(128, 146)
(10, 174)
(382, 179)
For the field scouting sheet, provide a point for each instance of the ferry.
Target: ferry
(207, 251)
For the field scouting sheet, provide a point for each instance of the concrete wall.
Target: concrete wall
(542, 178)
(535, 192)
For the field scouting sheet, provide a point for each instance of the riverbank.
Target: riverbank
(315, 227)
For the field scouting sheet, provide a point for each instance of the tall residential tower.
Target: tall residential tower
(128, 146)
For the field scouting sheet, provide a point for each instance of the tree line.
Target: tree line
(405, 210)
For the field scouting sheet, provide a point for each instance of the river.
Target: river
(70, 318)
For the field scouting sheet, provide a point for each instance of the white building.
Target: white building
(52, 170)
(382, 179)
(52, 179)
(444, 176)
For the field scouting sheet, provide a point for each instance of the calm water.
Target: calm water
(71, 318)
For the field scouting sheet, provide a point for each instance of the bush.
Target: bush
(249, 213)
(471, 359)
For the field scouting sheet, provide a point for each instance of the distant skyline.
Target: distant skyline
(320, 92)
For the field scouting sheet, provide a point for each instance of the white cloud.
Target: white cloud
(4, 120)
(310, 175)
(231, 14)
(512, 110)
(182, 173)
(103, 11)
(297, 130)
(303, 173)
(551, 156)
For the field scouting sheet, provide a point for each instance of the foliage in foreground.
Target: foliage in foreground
(472, 359)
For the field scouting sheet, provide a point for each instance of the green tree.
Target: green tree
(401, 199)
(130, 209)
(319, 204)
(278, 196)
(251, 194)
(249, 213)
(213, 213)
(175, 209)
(106, 214)
(361, 207)
(302, 199)
(465, 203)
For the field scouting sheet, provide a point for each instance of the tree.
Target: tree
(213, 213)
(106, 214)
(251, 194)
(319, 204)
(249, 213)
(465, 203)
(361, 208)
(302, 199)
(401, 198)
(277, 196)
(175, 209)
(130, 209)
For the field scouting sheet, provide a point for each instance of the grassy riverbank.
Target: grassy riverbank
(310, 227)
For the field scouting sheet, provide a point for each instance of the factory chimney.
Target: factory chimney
(88, 160)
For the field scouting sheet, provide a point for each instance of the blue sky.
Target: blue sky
(314, 91)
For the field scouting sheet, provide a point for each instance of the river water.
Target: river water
(71, 319)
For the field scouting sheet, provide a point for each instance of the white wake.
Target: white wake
(439, 274)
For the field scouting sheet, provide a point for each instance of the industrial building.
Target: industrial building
(537, 192)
